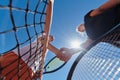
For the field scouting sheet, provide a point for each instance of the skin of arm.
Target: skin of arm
(56, 51)
(72, 51)
(109, 4)
(59, 53)
(65, 53)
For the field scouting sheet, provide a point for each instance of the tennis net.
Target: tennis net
(22, 23)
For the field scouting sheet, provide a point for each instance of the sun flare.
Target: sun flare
(75, 44)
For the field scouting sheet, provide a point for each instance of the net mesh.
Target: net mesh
(101, 62)
(21, 24)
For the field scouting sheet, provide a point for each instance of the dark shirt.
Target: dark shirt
(98, 25)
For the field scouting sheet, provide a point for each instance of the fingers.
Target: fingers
(40, 38)
(51, 38)
(80, 28)
(64, 55)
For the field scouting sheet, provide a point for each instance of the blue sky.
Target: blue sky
(67, 15)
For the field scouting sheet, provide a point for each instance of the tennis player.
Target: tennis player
(97, 22)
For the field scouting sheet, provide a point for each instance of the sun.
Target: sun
(75, 43)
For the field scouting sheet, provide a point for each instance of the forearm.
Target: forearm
(109, 4)
(59, 53)
(53, 49)
(75, 50)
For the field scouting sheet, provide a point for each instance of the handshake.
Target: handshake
(63, 54)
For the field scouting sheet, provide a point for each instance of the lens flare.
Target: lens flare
(75, 44)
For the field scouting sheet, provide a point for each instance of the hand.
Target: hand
(65, 54)
(51, 38)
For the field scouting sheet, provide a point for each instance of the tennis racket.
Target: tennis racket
(101, 59)
(53, 65)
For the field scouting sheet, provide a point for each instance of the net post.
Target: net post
(48, 20)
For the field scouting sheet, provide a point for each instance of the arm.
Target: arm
(69, 52)
(53, 49)
(109, 4)
(59, 53)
